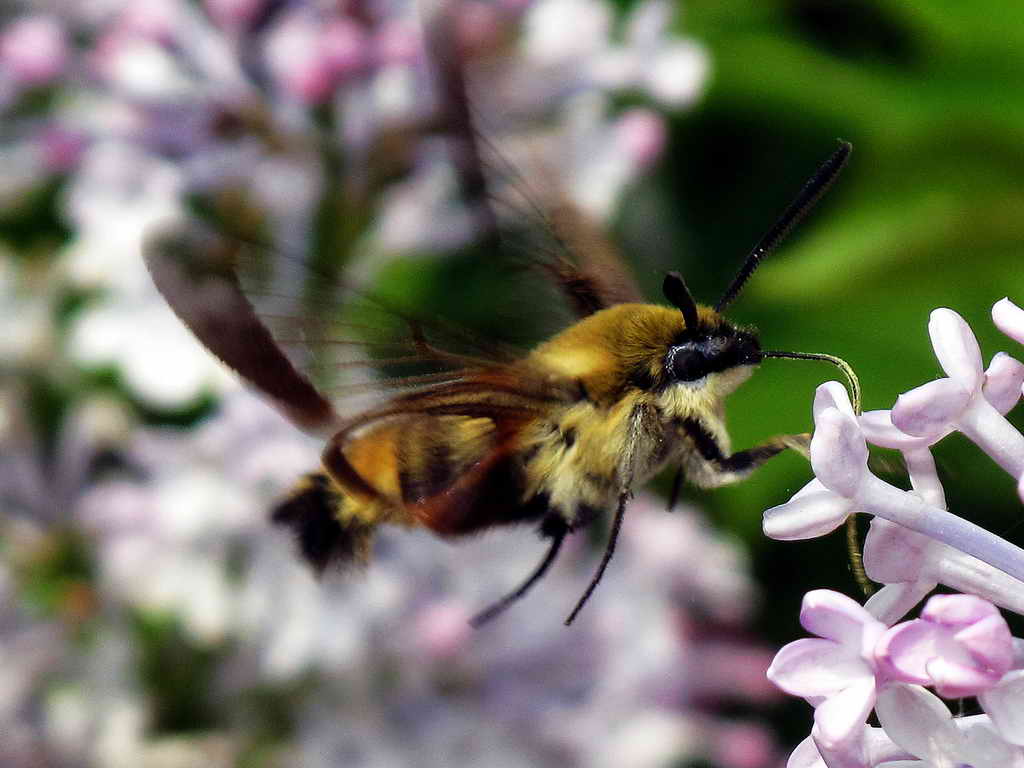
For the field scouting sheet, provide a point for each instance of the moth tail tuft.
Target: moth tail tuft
(314, 512)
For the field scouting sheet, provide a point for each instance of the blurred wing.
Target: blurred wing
(322, 348)
(563, 243)
(309, 344)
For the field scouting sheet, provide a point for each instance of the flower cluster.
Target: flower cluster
(864, 657)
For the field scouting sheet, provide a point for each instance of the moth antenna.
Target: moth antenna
(679, 296)
(804, 202)
(851, 377)
(608, 552)
(499, 607)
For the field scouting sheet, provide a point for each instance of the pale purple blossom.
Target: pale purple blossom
(1009, 318)
(919, 722)
(1004, 703)
(839, 459)
(836, 671)
(961, 646)
(957, 402)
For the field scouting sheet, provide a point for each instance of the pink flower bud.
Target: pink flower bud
(961, 645)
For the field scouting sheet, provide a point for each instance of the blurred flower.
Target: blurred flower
(33, 50)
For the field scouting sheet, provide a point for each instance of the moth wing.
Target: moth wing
(564, 244)
(319, 348)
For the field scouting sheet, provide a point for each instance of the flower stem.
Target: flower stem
(877, 497)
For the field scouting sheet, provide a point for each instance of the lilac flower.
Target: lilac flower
(1009, 318)
(871, 748)
(836, 672)
(1004, 703)
(839, 459)
(814, 510)
(958, 402)
(920, 723)
(961, 645)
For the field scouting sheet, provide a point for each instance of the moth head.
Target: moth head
(708, 343)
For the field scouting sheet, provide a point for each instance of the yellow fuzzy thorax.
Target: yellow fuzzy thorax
(600, 350)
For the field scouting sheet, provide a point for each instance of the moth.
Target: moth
(468, 436)
(554, 437)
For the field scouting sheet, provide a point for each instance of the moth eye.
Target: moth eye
(685, 363)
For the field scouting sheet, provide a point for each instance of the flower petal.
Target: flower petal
(955, 347)
(892, 553)
(1009, 318)
(931, 409)
(811, 667)
(957, 611)
(839, 716)
(1003, 381)
(894, 601)
(831, 394)
(904, 651)
(989, 643)
(805, 756)
(983, 746)
(810, 515)
(957, 681)
(878, 429)
(839, 454)
(917, 721)
(1005, 705)
(835, 616)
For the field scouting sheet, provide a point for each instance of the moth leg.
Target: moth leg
(677, 485)
(711, 467)
(557, 533)
(608, 552)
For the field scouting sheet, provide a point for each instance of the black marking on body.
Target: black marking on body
(311, 512)
(419, 481)
(585, 515)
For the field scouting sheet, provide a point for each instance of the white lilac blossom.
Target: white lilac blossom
(961, 645)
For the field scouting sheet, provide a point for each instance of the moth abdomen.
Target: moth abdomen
(315, 512)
